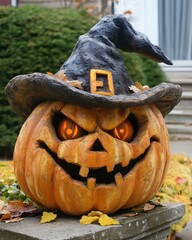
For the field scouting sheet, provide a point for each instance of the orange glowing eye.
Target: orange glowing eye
(69, 130)
(124, 131)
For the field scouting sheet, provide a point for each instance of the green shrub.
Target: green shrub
(143, 70)
(35, 39)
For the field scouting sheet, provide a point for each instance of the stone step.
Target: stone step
(186, 87)
(186, 96)
(179, 129)
(179, 116)
(184, 105)
(181, 137)
(179, 75)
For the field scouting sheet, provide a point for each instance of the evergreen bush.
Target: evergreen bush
(35, 39)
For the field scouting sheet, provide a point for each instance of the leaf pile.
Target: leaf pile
(9, 188)
(14, 210)
(178, 186)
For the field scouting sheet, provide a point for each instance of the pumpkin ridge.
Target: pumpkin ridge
(100, 174)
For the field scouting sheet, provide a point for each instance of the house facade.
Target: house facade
(166, 23)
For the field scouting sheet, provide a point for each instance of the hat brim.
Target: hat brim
(25, 92)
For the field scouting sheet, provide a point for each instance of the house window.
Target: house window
(175, 28)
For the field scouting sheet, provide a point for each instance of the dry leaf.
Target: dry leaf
(157, 204)
(137, 209)
(129, 214)
(140, 87)
(134, 89)
(50, 73)
(148, 207)
(6, 216)
(15, 209)
(48, 217)
(105, 220)
(1, 204)
(18, 219)
(88, 219)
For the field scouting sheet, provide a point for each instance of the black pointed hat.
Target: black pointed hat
(94, 75)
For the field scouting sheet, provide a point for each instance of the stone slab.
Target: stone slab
(154, 224)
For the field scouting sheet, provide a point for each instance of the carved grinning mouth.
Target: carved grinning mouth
(100, 174)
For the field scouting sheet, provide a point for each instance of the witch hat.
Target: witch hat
(94, 75)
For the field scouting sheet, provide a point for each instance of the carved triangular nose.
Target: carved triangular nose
(97, 146)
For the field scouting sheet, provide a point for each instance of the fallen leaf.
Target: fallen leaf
(105, 220)
(95, 213)
(6, 216)
(130, 214)
(128, 12)
(18, 208)
(48, 217)
(98, 217)
(1, 204)
(134, 89)
(88, 219)
(137, 209)
(148, 207)
(15, 209)
(18, 219)
(138, 85)
(50, 73)
(157, 204)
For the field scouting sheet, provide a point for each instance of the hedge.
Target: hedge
(35, 39)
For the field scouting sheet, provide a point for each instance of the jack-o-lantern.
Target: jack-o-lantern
(93, 140)
(77, 159)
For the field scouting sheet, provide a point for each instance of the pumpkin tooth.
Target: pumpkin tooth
(91, 183)
(110, 167)
(118, 179)
(125, 162)
(83, 172)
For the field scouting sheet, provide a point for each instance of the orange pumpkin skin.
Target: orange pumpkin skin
(74, 176)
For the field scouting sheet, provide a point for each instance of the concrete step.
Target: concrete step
(179, 116)
(186, 95)
(179, 75)
(181, 137)
(185, 101)
(179, 129)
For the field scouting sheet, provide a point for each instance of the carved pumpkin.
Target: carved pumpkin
(77, 159)
(92, 140)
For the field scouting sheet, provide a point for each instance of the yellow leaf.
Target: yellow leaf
(50, 73)
(48, 217)
(95, 213)
(105, 220)
(88, 219)
(140, 87)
